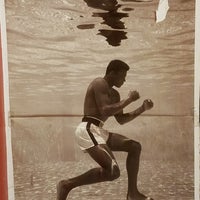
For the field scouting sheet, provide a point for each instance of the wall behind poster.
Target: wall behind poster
(3, 171)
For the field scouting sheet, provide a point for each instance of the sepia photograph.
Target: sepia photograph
(101, 97)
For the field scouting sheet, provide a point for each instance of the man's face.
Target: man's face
(120, 78)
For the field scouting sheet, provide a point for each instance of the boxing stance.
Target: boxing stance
(101, 102)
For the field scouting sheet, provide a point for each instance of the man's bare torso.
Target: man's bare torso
(99, 91)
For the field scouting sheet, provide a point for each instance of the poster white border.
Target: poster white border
(10, 178)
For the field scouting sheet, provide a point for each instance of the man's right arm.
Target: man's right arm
(123, 118)
(103, 100)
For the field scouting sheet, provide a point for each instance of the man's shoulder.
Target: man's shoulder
(100, 82)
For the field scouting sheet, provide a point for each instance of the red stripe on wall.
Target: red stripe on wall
(3, 160)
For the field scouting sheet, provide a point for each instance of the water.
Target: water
(55, 48)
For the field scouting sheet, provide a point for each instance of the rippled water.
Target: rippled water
(56, 48)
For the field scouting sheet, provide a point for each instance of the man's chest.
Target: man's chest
(114, 98)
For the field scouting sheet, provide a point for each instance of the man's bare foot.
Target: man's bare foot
(143, 0)
(63, 189)
(138, 196)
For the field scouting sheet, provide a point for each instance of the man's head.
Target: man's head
(116, 66)
(117, 70)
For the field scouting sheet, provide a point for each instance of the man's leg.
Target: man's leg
(118, 142)
(107, 171)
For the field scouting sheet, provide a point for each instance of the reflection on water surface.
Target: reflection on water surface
(111, 18)
(113, 37)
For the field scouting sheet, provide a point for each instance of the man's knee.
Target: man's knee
(112, 173)
(115, 172)
(134, 147)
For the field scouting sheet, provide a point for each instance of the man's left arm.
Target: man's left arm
(123, 118)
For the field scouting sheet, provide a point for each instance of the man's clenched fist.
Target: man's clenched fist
(147, 104)
(133, 95)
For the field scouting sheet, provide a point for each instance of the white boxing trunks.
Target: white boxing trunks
(90, 133)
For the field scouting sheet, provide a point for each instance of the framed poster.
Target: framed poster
(56, 49)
